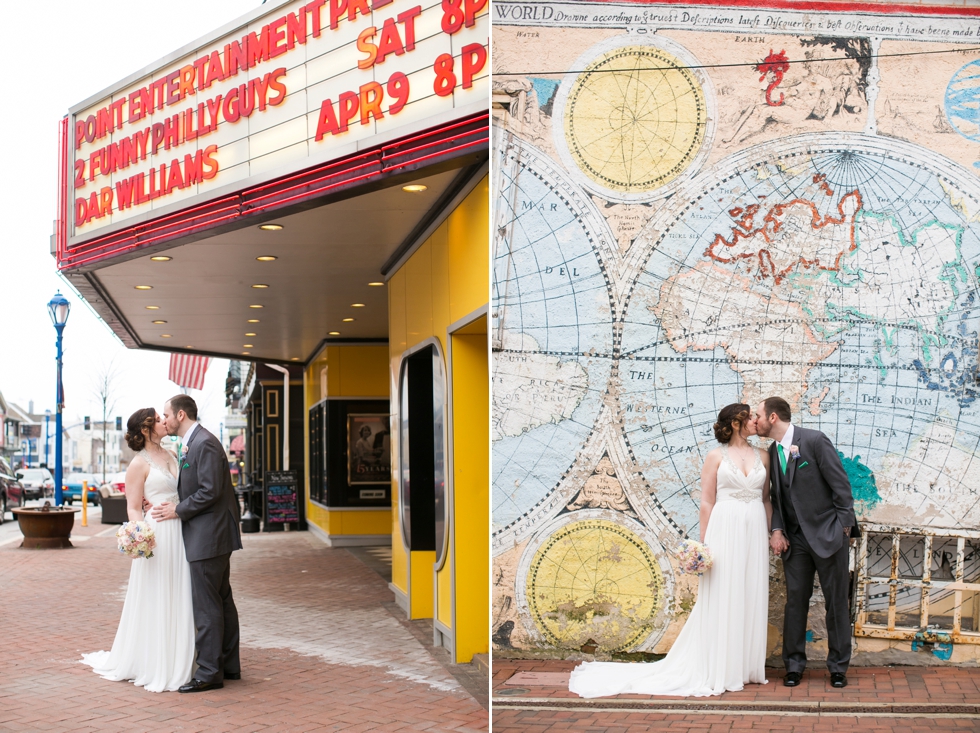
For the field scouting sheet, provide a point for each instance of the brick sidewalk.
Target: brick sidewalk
(906, 699)
(322, 649)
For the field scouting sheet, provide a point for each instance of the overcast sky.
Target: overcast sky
(59, 54)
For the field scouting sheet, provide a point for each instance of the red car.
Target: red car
(11, 490)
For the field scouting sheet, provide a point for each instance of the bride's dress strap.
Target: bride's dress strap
(144, 454)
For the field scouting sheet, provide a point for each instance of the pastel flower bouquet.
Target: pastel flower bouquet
(136, 539)
(695, 558)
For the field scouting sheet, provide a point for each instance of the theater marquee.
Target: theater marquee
(303, 83)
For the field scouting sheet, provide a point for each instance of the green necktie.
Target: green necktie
(782, 457)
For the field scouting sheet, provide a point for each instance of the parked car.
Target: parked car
(37, 482)
(11, 490)
(116, 481)
(71, 489)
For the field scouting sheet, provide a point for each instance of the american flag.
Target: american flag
(188, 371)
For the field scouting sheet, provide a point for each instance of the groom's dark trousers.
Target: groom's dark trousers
(812, 503)
(210, 514)
(215, 618)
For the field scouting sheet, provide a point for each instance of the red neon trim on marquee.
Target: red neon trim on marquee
(295, 187)
(813, 7)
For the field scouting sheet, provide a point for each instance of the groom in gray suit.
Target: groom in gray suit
(210, 515)
(812, 521)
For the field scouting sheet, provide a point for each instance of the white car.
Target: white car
(38, 482)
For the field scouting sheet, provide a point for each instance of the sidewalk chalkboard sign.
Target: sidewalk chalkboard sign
(281, 497)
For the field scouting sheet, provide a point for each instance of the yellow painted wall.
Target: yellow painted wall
(444, 280)
(352, 371)
(471, 487)
(444, 596)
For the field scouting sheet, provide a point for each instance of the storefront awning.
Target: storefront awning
(278, 177)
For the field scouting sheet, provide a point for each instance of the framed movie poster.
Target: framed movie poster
(368, 450)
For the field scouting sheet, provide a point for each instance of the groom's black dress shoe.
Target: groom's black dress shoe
(196, 685)
(792, 679)
(233, 675)
(838, 679)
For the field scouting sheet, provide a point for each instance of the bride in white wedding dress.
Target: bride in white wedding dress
(154, 644)
(723, 644)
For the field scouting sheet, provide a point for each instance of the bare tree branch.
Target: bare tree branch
(106, 378)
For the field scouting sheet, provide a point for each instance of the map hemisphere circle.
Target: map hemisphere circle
(888, 414)
(595, 574)
(552, 324)
(632, 135)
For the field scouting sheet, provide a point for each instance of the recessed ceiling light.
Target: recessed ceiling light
(246, 353)
(251, 334)
(165, 336)
(270, 227)
(144, 287)
(161, 258)
(247, 346)
(188, 346)
(348, 320)
(159, 322)
(267, 258)
(294, 358)
(334, 333)
(153, 307)
(375, 285)
(252, 320)
(357, 305)
(255, 306)
(414, 188)
(260, 285)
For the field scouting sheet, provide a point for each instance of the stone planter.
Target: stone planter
(45, 527)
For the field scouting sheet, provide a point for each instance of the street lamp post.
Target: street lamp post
(47, 438)
(58, 308)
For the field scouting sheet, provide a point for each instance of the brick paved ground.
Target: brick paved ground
(322, 647)
(900, 699)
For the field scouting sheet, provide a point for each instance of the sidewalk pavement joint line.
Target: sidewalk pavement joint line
(108, 531)
(761, 713)
(12, 540)
(698, 704)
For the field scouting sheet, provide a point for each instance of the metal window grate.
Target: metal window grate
(921, 585)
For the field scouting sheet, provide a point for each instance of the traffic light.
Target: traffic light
(88, 422)
(118, 423)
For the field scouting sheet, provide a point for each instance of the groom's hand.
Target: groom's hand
(778, 542)
(164, 511)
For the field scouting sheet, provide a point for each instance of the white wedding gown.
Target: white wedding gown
(154, 644)
(723, 644)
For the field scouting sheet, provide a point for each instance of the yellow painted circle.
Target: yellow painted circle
(595, 579)
(635, 119)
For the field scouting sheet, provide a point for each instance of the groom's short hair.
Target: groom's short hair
(186, 403)
(777, 405)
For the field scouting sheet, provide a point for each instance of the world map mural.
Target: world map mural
(692, 216)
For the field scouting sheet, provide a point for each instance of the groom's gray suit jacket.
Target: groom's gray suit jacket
(817, 485)
(208, 506)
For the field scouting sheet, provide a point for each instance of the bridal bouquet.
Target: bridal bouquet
(136, 539)
(695, 558)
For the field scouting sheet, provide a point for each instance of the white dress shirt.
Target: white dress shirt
(786, 442)
(187, 436)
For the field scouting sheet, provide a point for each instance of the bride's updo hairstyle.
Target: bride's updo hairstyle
(139, 421)
(730, 421)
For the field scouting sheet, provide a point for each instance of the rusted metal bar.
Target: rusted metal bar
(926, 581)
(861, 617)
(893, 581)
(958, 593)
(882, 632)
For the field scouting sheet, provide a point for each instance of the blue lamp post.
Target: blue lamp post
(47, 438)
(58, 308)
